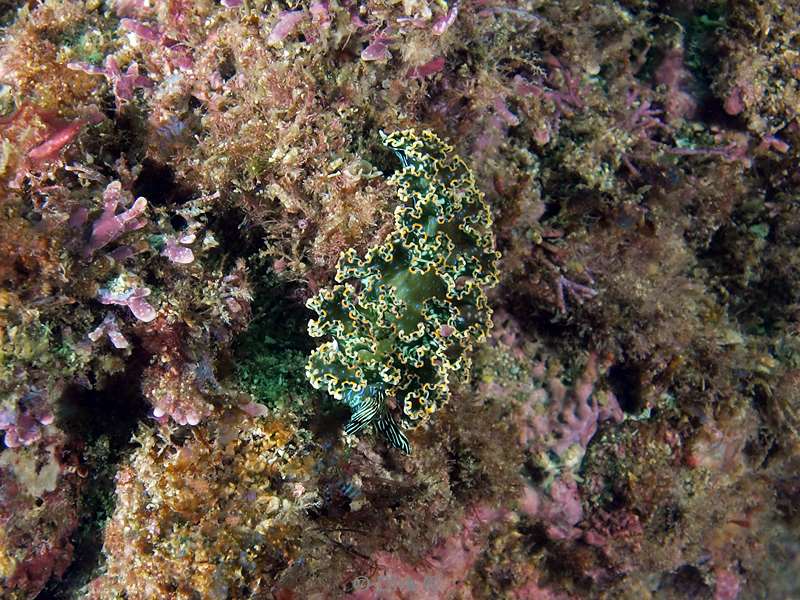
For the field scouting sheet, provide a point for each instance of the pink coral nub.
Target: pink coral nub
(134, 299)
(110, 225)
(287, 23)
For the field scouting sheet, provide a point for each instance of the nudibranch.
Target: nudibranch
(401, 321)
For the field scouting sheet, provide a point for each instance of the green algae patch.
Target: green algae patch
(269, 356)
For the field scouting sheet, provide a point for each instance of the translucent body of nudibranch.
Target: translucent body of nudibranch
(402, 320)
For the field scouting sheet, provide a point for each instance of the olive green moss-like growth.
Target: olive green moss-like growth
(404, 318)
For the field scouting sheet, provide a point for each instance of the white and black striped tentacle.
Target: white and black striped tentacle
(373, 409)
(365, 413)
(391, 430)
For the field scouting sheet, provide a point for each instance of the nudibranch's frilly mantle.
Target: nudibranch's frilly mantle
(403, 319)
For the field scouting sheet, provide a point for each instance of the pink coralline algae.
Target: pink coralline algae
(504, 113)
(172, 389)
(558, 507)
(556, 427)
(173, 384)
(175, 251)
(727, 585)
(124, 83)
(444, 572)
(170, 54)
(378, 47)
(287, 23)
(443, 22)
(556, 422)
(673, 74)
(24, 426)
(433, 66)
(179, 382)
(571, 415)
(577, 291)
(320, 14)
(566, 89)
(35, 139)
(110, 328)
(132, 8)
(133, 298)
(62, 136)
(617, 535)
(561, 85)
(440, 575)
(111, 224)
(771, 142)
